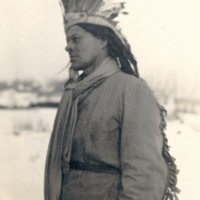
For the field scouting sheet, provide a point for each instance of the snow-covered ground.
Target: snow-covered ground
(24, 136)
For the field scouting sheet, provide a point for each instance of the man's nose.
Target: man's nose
(69, 47)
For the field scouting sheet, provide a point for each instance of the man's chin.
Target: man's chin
(76, 67)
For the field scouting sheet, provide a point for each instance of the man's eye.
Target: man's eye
(75, 39)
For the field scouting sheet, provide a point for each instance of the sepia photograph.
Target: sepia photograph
(99, 100)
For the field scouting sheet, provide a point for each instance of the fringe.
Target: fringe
(171, 189)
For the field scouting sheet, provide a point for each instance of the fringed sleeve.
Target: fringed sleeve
(144, 171)
(171, 189)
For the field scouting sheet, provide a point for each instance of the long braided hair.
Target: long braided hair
(116, 49)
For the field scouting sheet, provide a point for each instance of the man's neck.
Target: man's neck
(95, 65)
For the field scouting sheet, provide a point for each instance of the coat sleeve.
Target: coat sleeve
(144, 171)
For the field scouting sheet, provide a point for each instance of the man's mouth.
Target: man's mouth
(72, 58)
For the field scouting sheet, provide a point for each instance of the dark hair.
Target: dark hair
(116, 49)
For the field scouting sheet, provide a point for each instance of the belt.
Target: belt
(94, 168)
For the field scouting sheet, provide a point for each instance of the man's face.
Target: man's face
(83, 48)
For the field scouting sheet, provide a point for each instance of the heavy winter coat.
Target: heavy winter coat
(118, 125)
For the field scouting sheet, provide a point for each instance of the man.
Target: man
(108, 140)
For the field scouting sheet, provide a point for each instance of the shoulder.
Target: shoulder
(127, 82)
(134, 88)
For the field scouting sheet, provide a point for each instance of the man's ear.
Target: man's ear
(104, 43)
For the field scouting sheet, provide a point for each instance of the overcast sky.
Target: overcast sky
(164, 36)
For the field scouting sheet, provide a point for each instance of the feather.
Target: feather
(79, 5)
(87, 5)
(112, 11)
(62, 8)
(95, 6)
(68, 5)
(125, 13)
(110, 6)
(106, 9)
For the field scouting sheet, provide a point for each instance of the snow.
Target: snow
(11, 98)
(184, 142)
(24, 138)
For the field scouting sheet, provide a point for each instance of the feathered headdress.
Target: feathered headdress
(98, 12)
